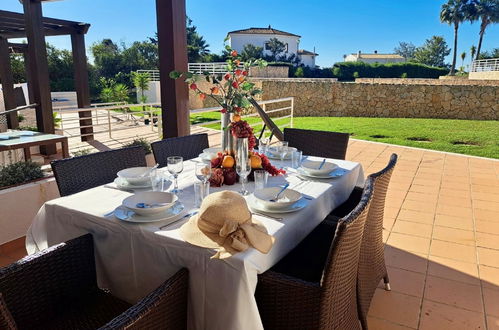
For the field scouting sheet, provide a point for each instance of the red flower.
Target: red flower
(193, 86)
(238, 72)
(237, 62)
(223, 110)
(233, 53)
(217, 177)
(215, 90)
(245, 73)
(267, 166)
(202, 96)
(227, 76)
(235, 84)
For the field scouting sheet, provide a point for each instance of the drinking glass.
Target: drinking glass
(159, 180)
(201, 190)
(203, 172)
(175, 167)
(261, 177)
(243, 169)
(282, 147)
(263, 144)
(296, 158)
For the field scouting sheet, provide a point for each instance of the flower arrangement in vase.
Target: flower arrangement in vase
(231, 91)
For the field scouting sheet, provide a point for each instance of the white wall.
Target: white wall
(153, 94)
(237, 42)
(308, 60)
(353, 58)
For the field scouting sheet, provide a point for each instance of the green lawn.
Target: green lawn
(471, 137)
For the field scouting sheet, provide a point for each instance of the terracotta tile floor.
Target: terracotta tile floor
(442, 233)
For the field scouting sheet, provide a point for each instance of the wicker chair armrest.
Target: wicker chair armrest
(164, 308)
(285, 281)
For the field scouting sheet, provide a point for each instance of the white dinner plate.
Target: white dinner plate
(338, 172)
(123, 184)
(125, 214)
(205, 157)
(258, 207)
(272, 153)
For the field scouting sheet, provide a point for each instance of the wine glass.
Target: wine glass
(175, 167)
(283, 149)
(203, 172)
(243, 169)
(263, 144)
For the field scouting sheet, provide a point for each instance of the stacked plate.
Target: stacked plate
(264, 200)
(149, 206)
(273, 153)
(320, 169)
(133, 178)
(209, 153)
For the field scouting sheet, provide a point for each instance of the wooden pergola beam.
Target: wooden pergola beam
(172, 48)
(38, 69)
(7, 80)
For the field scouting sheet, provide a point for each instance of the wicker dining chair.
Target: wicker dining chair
(372, 266)
(318, 143)
(314, 286)
(57, 289)
(88, 171)
(187, 147)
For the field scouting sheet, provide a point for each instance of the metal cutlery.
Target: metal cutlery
(276, 198)
(322, 164)
(146, 173)
(190, 214)
(148, 206)
(267, 216)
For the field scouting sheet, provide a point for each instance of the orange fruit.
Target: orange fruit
(256, 161)
(236, 117)
(228, 162)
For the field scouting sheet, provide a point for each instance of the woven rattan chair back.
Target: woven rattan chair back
(372, 266)
(339, 298)
(318, 143)
(187, 147)
(84, 172)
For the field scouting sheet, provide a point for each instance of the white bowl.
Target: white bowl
(273, 152)
(312, 167)
(288, 198)
(160, 201)
(133, 175)
(211, 152)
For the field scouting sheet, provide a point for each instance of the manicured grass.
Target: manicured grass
(471, 137)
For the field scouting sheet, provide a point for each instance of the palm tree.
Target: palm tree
(487, 11)
(463, 56)
(454, 12)
(472, 52)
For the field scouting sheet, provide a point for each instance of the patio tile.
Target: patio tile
(426, 206)
(421, 197)
(491, 301)
(455, 193)
(424, 189)
(492, 323)
(405, 281)
(453, 222)
(436, 316)
(388, 223)
(416, 216)
(416, 262)
(453, 270)
(488, 257)
(489, 277)
(485, 188)
(454, 201)
(487, 227)
(396, 307)
(453, 293)
(485, 196)
(379, 324)
(5, 261)
(453, 251)
(454, 235)
(456, 211)
(488, 241)
(413, 228)
(391, 212)
(455, 185)
(486, 215)
(486, 205)
(409, 243)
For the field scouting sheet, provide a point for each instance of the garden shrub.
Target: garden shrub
(20, 172)
(141, 142)
(346, 70)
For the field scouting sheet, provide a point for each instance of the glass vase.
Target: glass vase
(227, 138)
(243, 162)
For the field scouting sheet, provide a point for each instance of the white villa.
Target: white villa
(260, 37)
(374, 58)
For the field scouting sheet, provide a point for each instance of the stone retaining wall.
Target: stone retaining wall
(322, 97)
(421, 81)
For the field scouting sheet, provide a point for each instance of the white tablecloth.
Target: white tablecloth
(133, 259)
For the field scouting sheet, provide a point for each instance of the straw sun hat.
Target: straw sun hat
(224, 223)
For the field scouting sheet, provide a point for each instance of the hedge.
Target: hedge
(351, 70)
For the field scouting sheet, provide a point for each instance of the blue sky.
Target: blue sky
(333, 27)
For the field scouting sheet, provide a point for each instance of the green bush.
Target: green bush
(20, 117)
(346, 70)
(81, 152)
(28, 128)
(20, 172)
(141, 142)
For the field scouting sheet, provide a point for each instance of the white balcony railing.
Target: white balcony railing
(485, 65)
(197, 68)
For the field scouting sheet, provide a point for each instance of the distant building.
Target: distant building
(374, 58)
(261, 36)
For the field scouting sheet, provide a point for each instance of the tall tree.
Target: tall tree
(454, 12)
(406, 50)
(276, 47)
(433, 52)
(141, 82)
(463, 56)
(472, 52)
(251, 52)
(487, 11)
(494, 53)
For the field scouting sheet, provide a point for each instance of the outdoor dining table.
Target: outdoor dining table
(133, 259)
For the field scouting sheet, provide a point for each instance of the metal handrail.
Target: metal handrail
(491, 64)
(20, 108)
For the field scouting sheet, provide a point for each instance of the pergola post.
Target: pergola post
(7, 80)
(81, 84)
(39, 71)
(172, 48)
